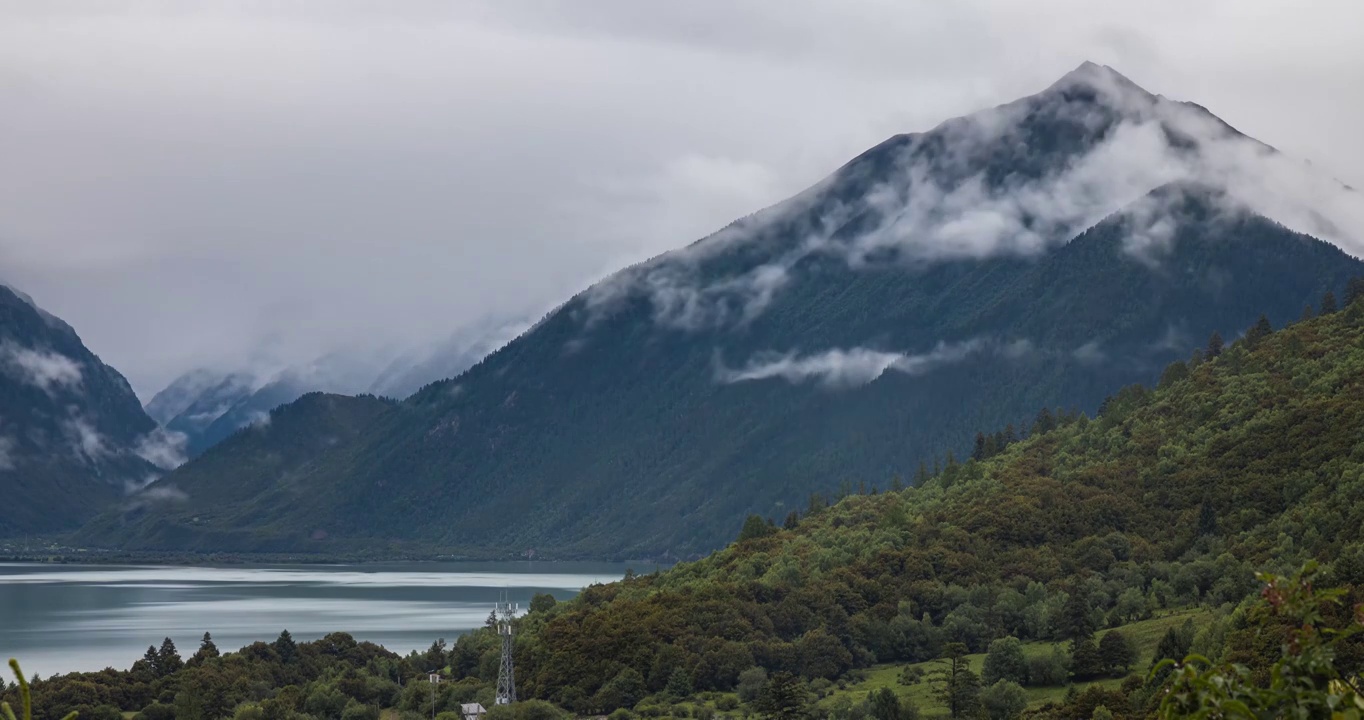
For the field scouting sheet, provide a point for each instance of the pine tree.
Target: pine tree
(1076, 622)
(1354, 290)
(1306, 313)
(1045, 422)
(755, 527)
(1214, 346)
(1207, 519)
(1259, 331)
(207, 650)
(168, 658)
(783, 698)
(816, 504)
(1174, 645)
(978, 451)
(1010, 435)
(958, 688)
(152, 660)
(1328, 303)
(921, 475)
(1085, 660)
(288, 651)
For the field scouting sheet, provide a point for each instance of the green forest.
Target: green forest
(1078, 568)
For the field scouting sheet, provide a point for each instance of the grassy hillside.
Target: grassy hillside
(1145, 634)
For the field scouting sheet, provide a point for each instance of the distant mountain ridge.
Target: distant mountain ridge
(1042, 253)
(73, 437)
(208, 406)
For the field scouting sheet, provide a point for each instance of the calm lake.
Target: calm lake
(61, 618)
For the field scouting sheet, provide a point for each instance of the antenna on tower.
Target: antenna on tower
(506, 676)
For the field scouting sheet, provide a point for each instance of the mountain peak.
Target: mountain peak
(1097, 77)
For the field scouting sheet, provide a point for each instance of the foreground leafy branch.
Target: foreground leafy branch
(1306, 681)
(24, 696)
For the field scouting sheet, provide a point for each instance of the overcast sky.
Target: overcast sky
(244, 184)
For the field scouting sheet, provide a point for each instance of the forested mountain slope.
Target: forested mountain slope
(264, 460)
(1249, 460)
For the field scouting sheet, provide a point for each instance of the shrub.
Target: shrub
(1004, 700)
(1047, 670)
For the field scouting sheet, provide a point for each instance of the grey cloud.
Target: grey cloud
(166, 493)
(141, 494)
(1091, 353)
(7, 458)
(163, 448)
(304, 178)
(43, 368)
(839, 368)
(87, 442)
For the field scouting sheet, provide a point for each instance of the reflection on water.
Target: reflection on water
(59, 618)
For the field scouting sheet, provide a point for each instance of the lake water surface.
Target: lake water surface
(61, 618)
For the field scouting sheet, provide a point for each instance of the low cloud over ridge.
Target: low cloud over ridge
(849, 368)
(42, 368)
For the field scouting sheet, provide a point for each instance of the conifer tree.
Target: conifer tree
(1207, 519)
(1354, 291)
(1259, 331)
(153, 660)
(1214, 346)
(168, 658)
(1045, 422)
(207, 650)
(957, 686)
(1076, 621)
(1328, 303)
(782, 698)
(286, 649)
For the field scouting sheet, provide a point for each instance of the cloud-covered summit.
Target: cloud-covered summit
(1016, 179)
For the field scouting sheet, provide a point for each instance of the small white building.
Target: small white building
(472, 711)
